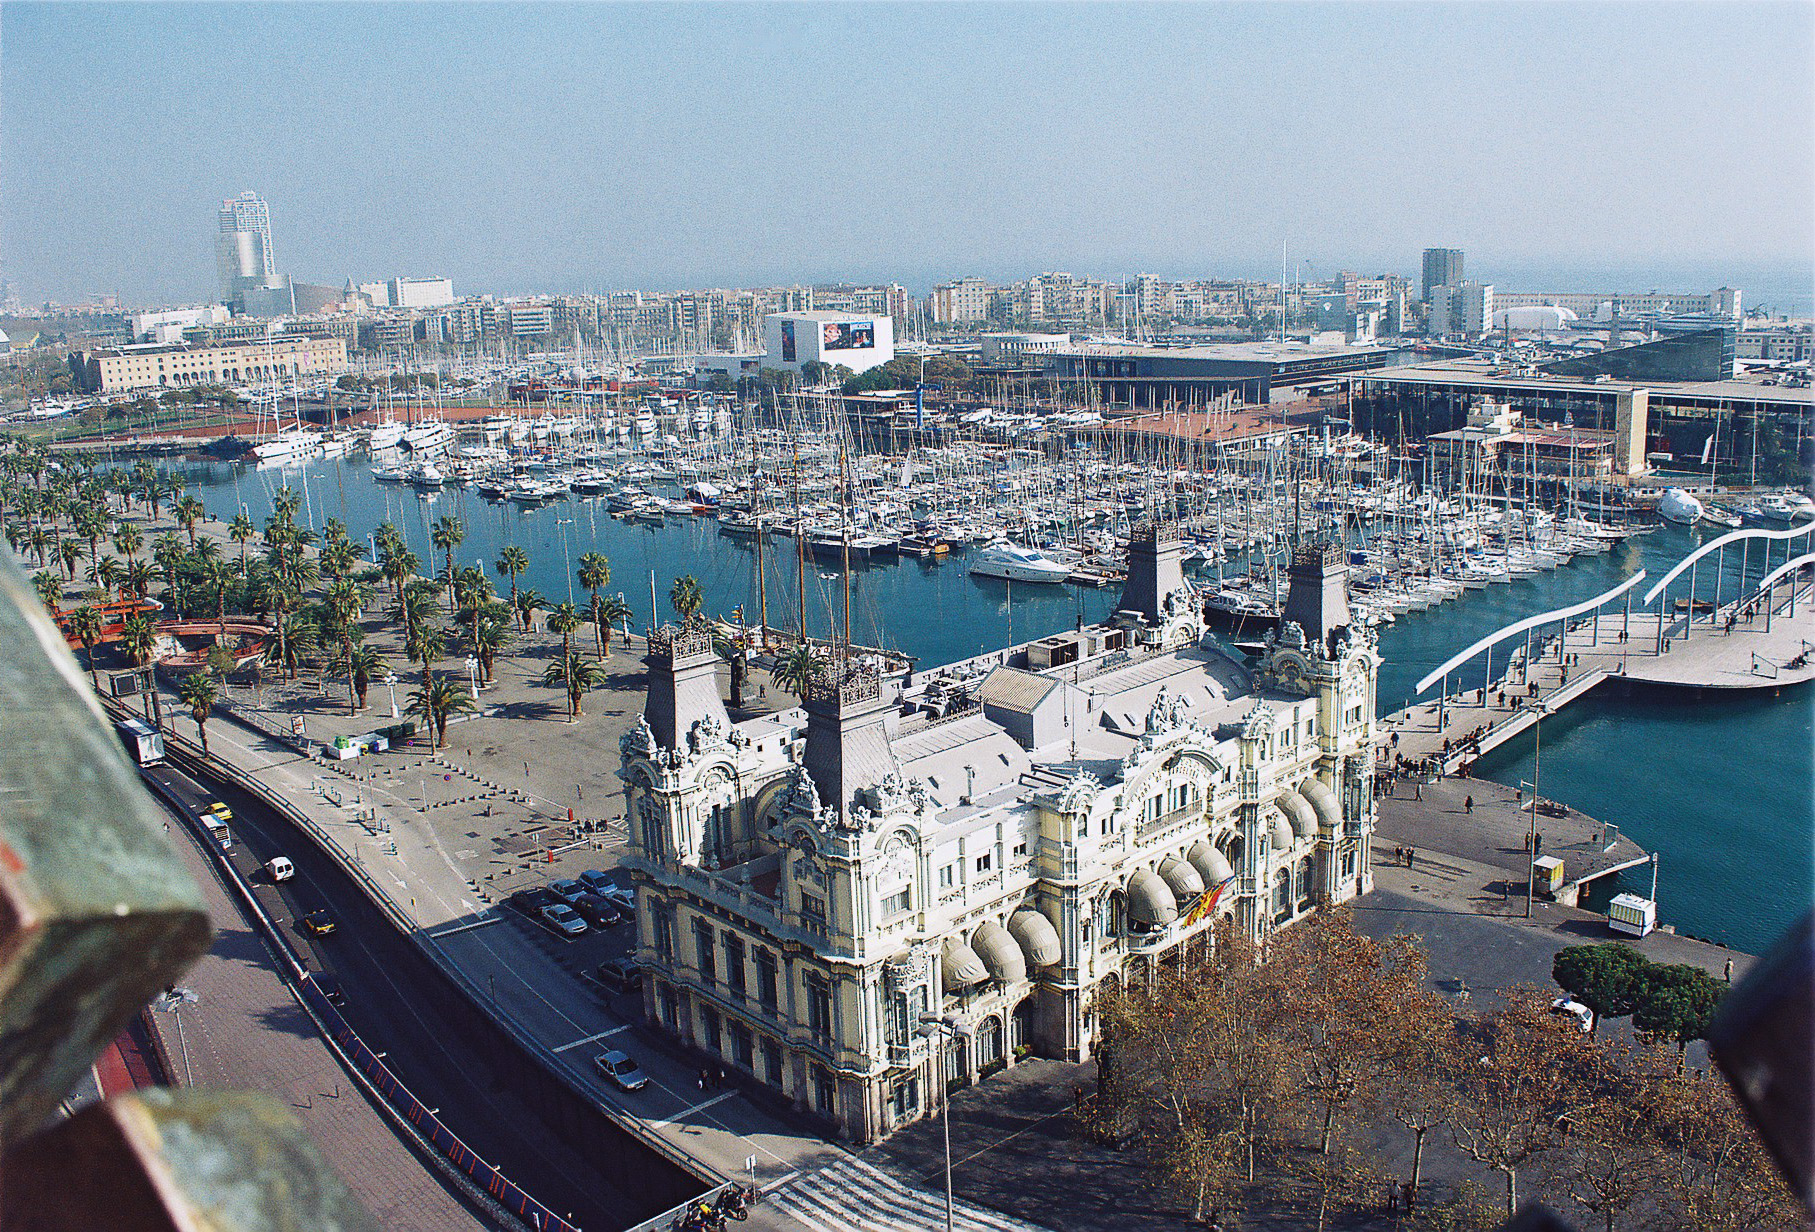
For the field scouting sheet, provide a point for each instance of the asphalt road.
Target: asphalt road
(388, 986)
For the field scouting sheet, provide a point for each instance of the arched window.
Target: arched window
(989, 1041)
(1022, 1033)
(1282, 896)
(1307, 883)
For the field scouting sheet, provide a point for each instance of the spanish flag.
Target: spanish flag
(1206, 902)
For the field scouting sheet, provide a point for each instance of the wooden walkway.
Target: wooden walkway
(1450, 731)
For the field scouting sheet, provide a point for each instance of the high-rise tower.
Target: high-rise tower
(243, 245)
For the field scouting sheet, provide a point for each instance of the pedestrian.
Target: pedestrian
(1418, 790)
(702, 1080)
(1468, 804)
(1411, 856)
(721, 1076)
(1537, 840)
(1727, 975)
(167, 827)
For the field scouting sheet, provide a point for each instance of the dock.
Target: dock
(1763, 639)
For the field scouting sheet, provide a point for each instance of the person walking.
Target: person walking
(1468, 804)
(1727, 975)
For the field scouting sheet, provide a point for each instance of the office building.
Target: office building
(243, 246)
(967, 299)
(997, 843)
(170, 366)
(835, 339)
(1464, 311)
(1442, 268)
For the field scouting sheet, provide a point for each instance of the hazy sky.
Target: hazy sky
(568, 148)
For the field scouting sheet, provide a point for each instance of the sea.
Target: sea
(1719, 787)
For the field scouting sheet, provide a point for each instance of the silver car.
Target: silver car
(563, 919)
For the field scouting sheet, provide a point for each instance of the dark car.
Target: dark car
(531, 901)
(619, 975)
(597, 911)
(318, 924)
(329, 986)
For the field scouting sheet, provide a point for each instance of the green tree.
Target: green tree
(1602, 976)
(437, 700)
(489, 637)
(50, 589)
(512, 561)
(578, 675)
(189, 511)
(447, 534)
(613, 610)
(199, 692)
(594, 574)
(138, 641)
(366, 665)
(1676, 1002)
(794, 667)
(240, 530)
(563, 619)
(85, 623)
(529, 602)
(129, 540)
(687, 597)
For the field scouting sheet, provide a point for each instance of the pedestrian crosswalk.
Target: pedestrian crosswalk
(854, 1196)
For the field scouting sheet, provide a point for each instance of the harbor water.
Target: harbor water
(1718, 786)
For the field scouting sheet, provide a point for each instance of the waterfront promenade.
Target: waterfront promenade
(1753, 642)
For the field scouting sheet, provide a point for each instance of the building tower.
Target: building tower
(243, 245)
(1442, 268)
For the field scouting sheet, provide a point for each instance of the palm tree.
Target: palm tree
(70, 551)
(217, 576)
(612, 610)
(138, 578)
(578, 676)
(85, 623)
(189, 511)
(168, 553)
(108, 572)
(286, 504)
(364, 665)
(240, 530)
(595, 574)
(337, 558)
(397, 564)
(199, 692)
(489, 637)
(687, 598)
(447, 534)
(563, 619)
(529, 602)
(129, 539)
(795, 667)
(139, 642)
(512, 561)
(437, 699)
(50, 589)
(91, 524)
(417, 607)
(425, 646)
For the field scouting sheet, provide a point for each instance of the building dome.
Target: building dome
(1533, 317)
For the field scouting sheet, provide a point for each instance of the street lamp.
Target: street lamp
(939, 1025)
(172, 1001)
(390, 682)
(472, 675)
(566, 556)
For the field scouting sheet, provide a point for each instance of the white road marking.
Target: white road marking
(460, 928)
(591, 1038)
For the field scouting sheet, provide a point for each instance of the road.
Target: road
(246, 1030)
(390, 988)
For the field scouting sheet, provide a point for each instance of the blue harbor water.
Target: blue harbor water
(1718, 786)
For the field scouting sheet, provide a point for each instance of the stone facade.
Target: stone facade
(811, 884)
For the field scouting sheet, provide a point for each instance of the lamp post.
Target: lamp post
(566, 556)
(939, 1025)
(390, 682)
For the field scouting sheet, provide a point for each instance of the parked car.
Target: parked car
(596, 881)
(566, 889)
(619, 975)
(1572, 1008)
(620, 1068)
(561, 918)
(531, 901)
(318, 923)
(624, 900)
(597, 911)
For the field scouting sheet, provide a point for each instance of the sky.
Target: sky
(565, 148)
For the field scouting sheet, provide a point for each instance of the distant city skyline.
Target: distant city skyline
(566, 149)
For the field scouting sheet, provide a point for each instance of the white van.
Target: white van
(281, 869)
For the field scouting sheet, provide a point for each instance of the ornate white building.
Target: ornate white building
(991, 843)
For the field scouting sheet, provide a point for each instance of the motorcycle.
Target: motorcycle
(736, 1200)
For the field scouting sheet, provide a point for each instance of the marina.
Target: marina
(925, 602)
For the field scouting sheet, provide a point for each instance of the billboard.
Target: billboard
(849, 336)
(787, 342)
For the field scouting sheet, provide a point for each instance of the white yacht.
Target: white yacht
(1018, 564)
(1679, 507)
(387, 434)
(290, 443)
(428, 436)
